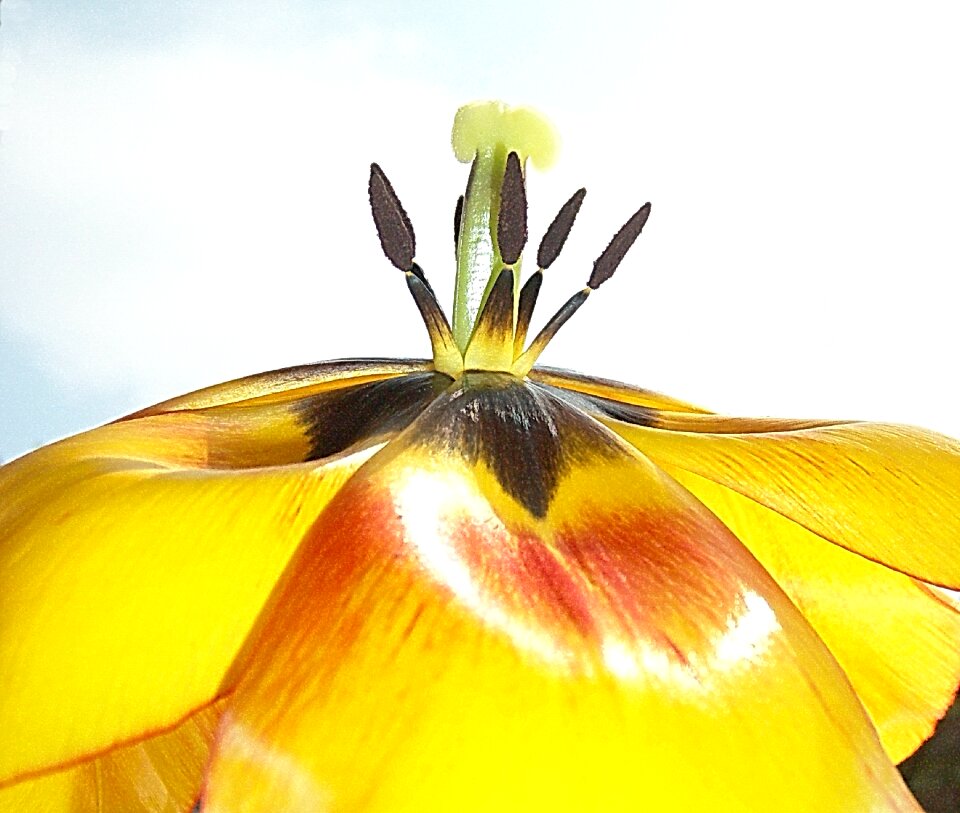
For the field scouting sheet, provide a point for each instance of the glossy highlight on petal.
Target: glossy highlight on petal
(440, 641)
(896, 638)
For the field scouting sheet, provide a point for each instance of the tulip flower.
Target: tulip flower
(471, 583)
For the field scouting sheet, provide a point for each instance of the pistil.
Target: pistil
(485, 133)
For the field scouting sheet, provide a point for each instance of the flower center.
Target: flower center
(491, 311)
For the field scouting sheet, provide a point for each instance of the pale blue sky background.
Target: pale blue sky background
(182, 194)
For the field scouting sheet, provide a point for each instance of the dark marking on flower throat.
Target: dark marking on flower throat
(335, 420)
(525, 436)
(600, 407)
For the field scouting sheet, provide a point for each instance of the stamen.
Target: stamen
(512, 217)
(603, 268)
(558, 231)
(446, 354)
(550, 247)
(491, 318)
(525, 305)
(614, 253)
(528, 358)
(417, 271)
(399, 244)
(393, 226)
(491, 345)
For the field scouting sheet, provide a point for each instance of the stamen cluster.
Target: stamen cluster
(498, 335)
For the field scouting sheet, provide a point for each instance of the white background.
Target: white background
(183, 194)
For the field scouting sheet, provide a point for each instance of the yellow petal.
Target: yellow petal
(897, 639)
(124, 597)
(161, 774)
(612, 390)
(290, 382)
(134, 558)
(889, 493)
(509, 609)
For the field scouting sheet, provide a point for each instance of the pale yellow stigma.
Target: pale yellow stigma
(483, 126)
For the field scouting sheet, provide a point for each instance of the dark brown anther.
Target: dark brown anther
(558, 231)
(512, 220)
(613, 254)
(393, 225)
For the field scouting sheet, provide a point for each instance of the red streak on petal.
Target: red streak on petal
(653, 588)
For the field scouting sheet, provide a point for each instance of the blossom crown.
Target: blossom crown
(394, 585)
(492, 312)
